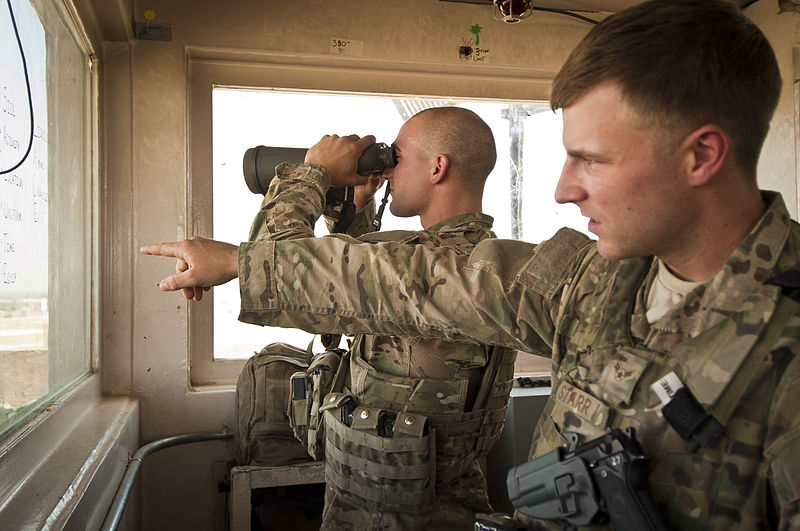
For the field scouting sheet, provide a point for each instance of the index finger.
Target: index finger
(163, 249)
(365, 141)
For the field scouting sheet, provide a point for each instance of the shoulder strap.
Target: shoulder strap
(489, 376)
(342, 373)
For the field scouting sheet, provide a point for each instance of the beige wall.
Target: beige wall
(144, 166)
(778, 167)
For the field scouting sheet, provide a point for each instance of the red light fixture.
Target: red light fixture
(512, 11)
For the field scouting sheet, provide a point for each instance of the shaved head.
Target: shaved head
(461, 135)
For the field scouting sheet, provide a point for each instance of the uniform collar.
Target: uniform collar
(744, 274)
(476, 220)
(753, 262)
(727, 314)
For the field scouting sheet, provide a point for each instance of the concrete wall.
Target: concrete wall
(778, 167)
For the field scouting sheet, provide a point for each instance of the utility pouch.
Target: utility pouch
(383, 461)
(307, 390)
(300, 391)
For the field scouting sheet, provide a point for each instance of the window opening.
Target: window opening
(244, 118)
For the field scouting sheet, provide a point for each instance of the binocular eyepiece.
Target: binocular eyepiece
(259, 163)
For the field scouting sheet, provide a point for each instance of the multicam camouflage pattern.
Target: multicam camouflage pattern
(400, 373)
(561, 293)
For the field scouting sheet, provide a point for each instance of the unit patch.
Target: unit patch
(620, 375)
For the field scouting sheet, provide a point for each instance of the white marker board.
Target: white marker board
(24, 198)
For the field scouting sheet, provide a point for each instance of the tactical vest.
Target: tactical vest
(387, 447)
(398, 469)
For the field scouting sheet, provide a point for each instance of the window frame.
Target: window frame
(796, 94)
(60, 22)
(76, 428)
(210, 68)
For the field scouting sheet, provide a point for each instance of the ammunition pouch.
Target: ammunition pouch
(384, 461)
(306, 392)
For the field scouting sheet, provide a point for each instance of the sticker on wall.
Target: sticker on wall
(149, 30)
(346, 47)
(471, 49)
(476, 30)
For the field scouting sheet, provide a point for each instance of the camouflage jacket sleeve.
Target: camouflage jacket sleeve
(505, 292)
(361, 224)
(293, 203)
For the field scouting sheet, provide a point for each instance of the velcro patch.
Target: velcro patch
(582, 404)
(620, 375)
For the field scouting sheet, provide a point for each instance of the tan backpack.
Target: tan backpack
(262, 435)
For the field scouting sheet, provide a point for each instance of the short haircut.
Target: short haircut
(682, 64)
(464, 137)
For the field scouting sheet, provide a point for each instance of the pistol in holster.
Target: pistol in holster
(605, 478)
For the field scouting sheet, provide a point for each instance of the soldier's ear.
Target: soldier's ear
(441, 163)
(704, 153)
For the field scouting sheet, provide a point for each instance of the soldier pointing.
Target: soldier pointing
(690, 285)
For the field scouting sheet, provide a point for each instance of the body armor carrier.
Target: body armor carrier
(392, 460)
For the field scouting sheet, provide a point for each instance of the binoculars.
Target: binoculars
(260, 161)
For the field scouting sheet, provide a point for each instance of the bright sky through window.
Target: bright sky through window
(247, 118)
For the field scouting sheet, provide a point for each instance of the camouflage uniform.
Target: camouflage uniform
(431, 379)
(591, 311)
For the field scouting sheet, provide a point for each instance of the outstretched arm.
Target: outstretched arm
(505, 293)
(202, 263)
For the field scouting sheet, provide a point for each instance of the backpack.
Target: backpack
(262, 435)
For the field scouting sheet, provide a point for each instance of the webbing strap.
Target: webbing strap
(457, 424)
(342, 373)
(391, 499)
(334, 454)
(456, 427)
(489, 376)
(310, 351)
